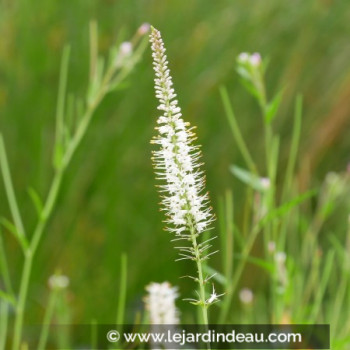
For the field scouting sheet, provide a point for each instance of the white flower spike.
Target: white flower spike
(177, 164)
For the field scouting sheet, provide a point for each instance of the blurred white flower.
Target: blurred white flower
(58, 282)
(280, 257)
(265, 182)
(160, 302)
(282, 273)
(271, 246)
(125, 48)
(243, 57)
(246, 296)
(253, 60)
(125, 51)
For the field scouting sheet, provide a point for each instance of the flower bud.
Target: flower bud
(57, 282)
(246, 296)
(143, 29)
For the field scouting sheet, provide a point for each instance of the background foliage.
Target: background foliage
(109, 204)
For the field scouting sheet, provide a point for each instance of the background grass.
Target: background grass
(109, 204)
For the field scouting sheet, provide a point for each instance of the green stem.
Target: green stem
(291, 166)
(293, 153)
(4, 306)
(47, 320)
(237, 275)
(77, 137)
(48, 208)
(200, 276)
(122, 290)
(4, 311)
(60, 167)
(46, 213)
(229, 244)
(29, 255)
(4, 268)
(203, 304)
(236, 131)
(23, 291)
(202, 292)
(94, 334)
(271, 155)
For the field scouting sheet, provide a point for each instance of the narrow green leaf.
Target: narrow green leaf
(293, 153)
(4, 267)
(284, 208)
(272, 107)
(9, 189)
(248, 178)
(61, 100)
(228, 246)
(337, 245)
(243, 72)
(96, 83)
(322, 285)
(9, 226)
(13, 229)
(36, 201)
(118, 86)
(237, 134)
(250, 88)
(93, 48)
(256, 261)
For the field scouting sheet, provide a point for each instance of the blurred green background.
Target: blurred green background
(109, 203)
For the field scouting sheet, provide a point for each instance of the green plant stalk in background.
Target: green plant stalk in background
(100, 84)
(300, 271)
(252, 71)
(49, 312)
(4, 311)
(6, 298)
(120, 317)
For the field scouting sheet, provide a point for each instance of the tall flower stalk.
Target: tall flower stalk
(177, 165)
